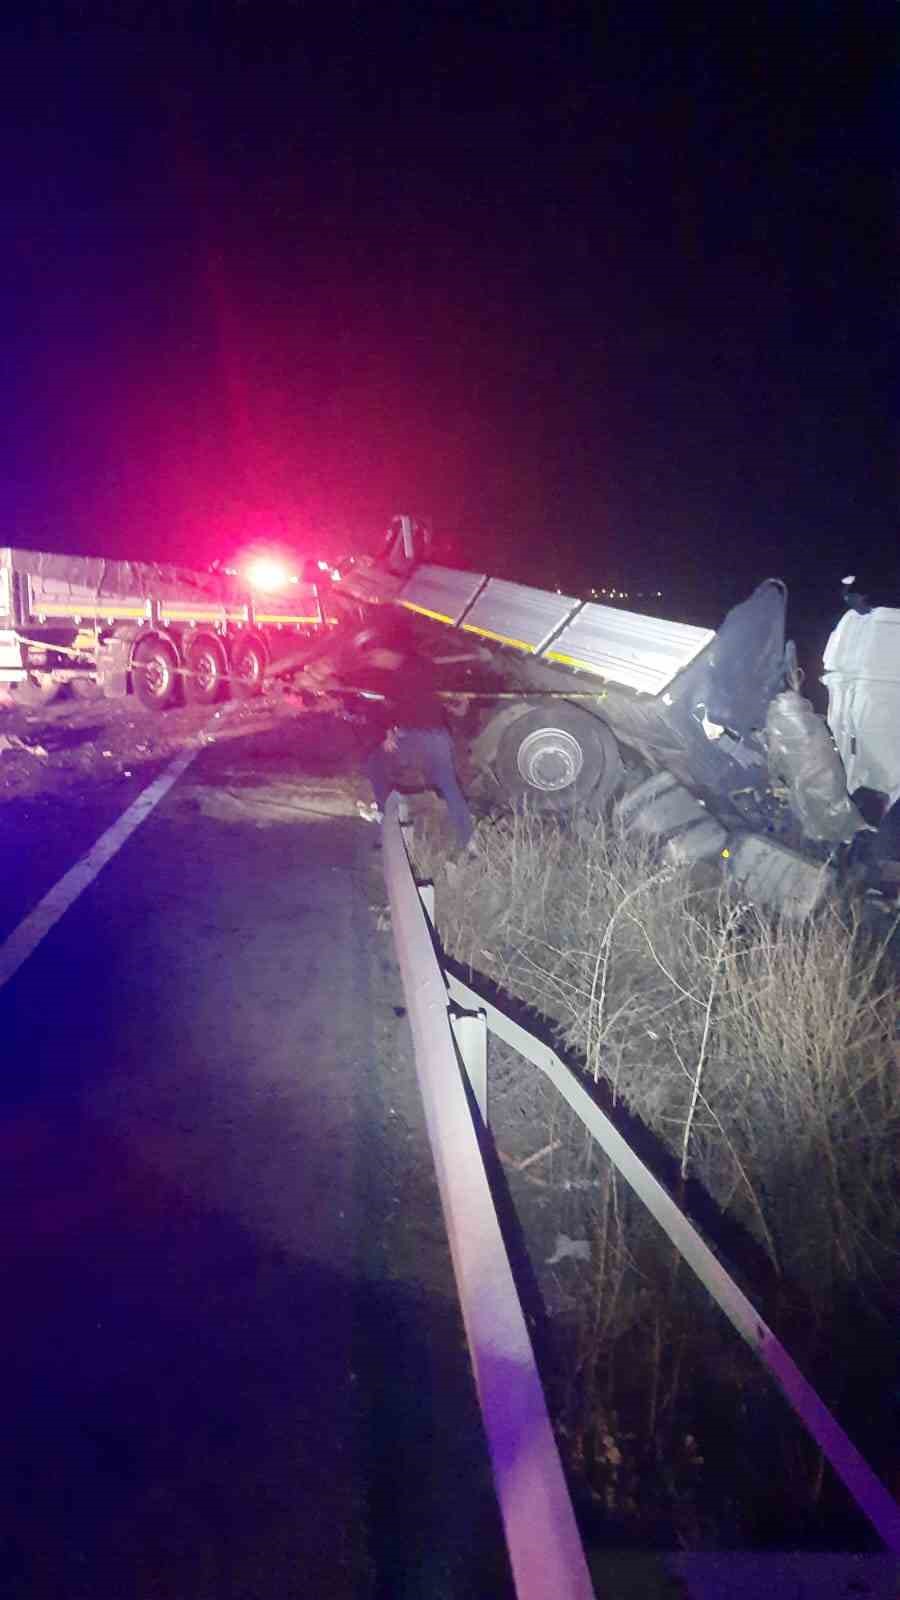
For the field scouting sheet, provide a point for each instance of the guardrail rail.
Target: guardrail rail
(450, 1025)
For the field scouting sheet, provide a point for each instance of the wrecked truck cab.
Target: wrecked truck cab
(775, 761)
(719, 702)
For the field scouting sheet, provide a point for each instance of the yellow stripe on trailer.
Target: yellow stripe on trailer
(265, 616)
(85, 608)
(571, 661)
(501, 638)
(436, 616)
(187, 613)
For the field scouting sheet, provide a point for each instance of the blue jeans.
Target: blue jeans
(432, 750)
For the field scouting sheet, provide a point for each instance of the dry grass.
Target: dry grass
(765, 1057)
(764, 1054)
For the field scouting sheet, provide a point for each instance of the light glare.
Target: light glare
(266, 573)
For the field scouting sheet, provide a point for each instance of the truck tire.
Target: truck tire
(154, 673)
(248, 666)
(557, 758)
(35, 691)
(205, 661)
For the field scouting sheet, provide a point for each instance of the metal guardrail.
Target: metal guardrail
(541, 1535)
(869, 1493)
(429, 994)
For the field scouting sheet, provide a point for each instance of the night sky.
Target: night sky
(609, 293)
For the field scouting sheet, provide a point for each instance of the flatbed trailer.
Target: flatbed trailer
(109, 625)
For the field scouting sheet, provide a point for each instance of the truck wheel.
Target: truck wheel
(248, 665)
(205, 661)
(557, 758)
(35, 691)
(154, 674)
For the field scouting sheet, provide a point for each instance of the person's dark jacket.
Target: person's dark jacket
(409, 696)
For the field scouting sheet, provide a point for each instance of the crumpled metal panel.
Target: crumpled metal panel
(441, 592)
(518, 615)
(773, 875)
(370, 583)
(802, 753)
(643, 653)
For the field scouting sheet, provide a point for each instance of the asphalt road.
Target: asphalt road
(234, 1363)
(233, 1358)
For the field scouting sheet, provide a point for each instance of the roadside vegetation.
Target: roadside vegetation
(764, 1056)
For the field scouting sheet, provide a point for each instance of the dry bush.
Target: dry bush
(763, 1053)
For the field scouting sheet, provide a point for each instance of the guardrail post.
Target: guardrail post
(470, 1033)
(426, 895)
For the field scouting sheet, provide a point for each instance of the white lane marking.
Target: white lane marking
(15, 950)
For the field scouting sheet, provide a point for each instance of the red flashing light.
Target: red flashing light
(268, 574)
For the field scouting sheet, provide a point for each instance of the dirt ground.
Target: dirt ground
(73, 743)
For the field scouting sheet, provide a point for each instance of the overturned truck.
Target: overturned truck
(700, 738)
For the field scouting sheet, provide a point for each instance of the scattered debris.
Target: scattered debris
(280, 801)
(71, 740)
(546, 1150)
(11, 741)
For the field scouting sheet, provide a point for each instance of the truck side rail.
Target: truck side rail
(638, 652)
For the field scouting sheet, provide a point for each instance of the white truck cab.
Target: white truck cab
(862, 676)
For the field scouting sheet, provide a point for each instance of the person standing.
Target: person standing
(409, 724)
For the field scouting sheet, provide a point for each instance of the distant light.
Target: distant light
(268, 574)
